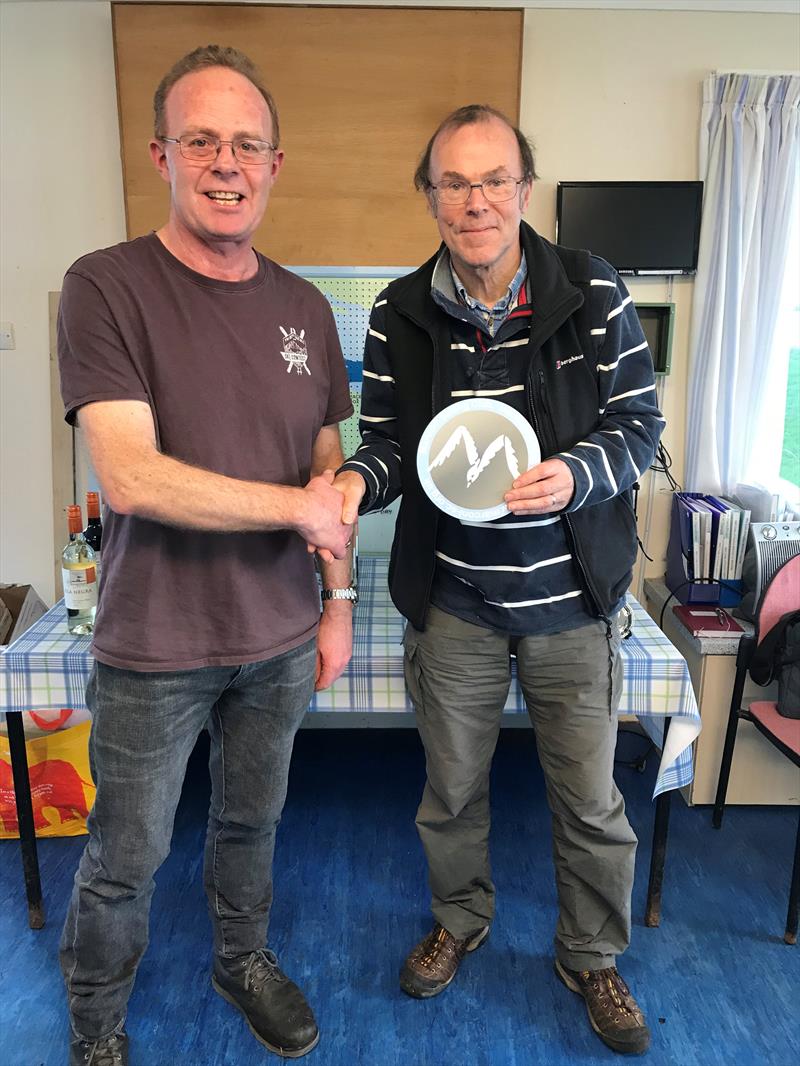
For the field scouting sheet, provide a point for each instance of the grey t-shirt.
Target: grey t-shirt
(240, 378)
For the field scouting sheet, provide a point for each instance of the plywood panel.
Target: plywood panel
(359, 91)
(62, 443)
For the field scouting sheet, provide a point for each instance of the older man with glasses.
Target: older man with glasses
(500, 312)
(209, 383)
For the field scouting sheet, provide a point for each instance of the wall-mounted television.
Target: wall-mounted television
(640, 227)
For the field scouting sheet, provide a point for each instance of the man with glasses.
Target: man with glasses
(499, 312)
(209, 384)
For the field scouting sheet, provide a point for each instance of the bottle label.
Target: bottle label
(80, 588)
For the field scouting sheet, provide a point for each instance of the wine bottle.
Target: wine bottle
(79, 575)
(93, 534)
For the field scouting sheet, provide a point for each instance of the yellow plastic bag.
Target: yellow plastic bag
(62, 789)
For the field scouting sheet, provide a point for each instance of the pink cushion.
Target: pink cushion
(786, 730)
(782, 595)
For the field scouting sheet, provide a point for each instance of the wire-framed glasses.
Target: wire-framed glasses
(203, 147)
(496, 190)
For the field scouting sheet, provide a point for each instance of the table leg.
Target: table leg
(658, 854)
(27, 831)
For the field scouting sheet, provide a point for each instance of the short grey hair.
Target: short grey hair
(470, 115)
(212, 55)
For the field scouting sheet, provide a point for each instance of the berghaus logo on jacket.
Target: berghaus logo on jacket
(566, 362)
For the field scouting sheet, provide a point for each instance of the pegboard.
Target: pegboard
(351, 292)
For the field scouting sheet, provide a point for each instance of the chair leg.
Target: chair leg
(790, 936)
(725, 769)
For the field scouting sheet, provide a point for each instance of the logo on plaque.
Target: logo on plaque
(470, 454)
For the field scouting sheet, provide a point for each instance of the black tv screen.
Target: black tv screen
(640, 227)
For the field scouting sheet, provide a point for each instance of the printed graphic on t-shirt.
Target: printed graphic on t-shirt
(294, 350)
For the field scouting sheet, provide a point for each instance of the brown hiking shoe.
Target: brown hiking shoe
(613, 1012)
(433, 963)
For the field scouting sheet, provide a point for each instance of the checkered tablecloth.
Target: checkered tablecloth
(47, 668)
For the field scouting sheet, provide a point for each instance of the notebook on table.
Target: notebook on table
(706, 621)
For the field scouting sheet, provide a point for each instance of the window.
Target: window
(790, 455)
(775, 462)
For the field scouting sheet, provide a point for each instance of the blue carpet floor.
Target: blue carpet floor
(715, 980)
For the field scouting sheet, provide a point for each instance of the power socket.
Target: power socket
(7, 343)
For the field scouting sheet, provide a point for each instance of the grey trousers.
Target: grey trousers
(458, 676)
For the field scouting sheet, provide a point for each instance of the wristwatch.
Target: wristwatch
(350, 593)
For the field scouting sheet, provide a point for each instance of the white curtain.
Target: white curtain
(749, 158)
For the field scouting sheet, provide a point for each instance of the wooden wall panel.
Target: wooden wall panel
(359, 91)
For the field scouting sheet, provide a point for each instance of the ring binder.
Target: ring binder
(682, 577)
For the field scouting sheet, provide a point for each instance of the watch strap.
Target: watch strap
(349, 593)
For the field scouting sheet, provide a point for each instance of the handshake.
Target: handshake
(329, 511)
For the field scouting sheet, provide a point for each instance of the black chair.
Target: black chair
(781, 595)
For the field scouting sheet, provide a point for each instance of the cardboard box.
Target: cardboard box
(24, 605)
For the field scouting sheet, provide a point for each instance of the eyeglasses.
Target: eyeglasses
(202, 147)
(496, 190)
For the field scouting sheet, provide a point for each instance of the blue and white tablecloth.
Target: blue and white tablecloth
(47, 668)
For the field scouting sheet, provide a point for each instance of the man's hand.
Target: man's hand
(544, 489)
(335, 642)
(352, 487)
(321, 525)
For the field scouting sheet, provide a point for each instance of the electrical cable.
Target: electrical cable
(638, 762)
(663, 464)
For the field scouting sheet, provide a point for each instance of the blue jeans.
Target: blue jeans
(144, 726)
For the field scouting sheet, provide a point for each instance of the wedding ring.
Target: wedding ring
(348, 544)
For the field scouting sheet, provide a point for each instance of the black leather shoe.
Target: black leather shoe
(110, 1051)
(274, 1008)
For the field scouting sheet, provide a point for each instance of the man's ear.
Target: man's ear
(430, 196)
(525, 195)
(158, 155)
(277, 163)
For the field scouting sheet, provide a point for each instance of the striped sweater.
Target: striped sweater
(583, 376)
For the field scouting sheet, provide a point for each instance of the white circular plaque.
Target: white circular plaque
(471, 453)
